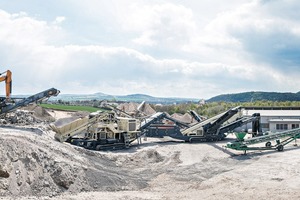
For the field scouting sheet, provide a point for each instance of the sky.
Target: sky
(162, 48)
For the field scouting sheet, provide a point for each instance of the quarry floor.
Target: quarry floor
(35, 166)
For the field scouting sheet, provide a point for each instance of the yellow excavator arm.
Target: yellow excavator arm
(8, 80)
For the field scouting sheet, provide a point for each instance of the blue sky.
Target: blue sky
(161, 48)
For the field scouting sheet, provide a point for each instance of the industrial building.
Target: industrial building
(274, 119)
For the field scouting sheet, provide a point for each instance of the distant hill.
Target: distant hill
(256, 96)
(124, 98)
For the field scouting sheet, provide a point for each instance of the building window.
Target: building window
(265, 125)
(281, 126)
(295, 126)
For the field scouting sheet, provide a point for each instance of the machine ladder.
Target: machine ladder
(126, 140)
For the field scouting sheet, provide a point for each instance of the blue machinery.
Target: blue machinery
(209, 130)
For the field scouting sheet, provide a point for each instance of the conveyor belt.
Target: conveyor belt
(287, 136)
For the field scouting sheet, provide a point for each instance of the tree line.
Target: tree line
(214, 108)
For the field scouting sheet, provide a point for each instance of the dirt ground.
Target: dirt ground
(35, 166)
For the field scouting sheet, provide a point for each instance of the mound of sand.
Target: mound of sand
(186, 118)
(35, 165)
(39, 112)
(132, 108)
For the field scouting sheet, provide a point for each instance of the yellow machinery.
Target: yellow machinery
(98, 131)
(6, 76)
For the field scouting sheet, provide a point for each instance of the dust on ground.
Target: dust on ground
(35, 166)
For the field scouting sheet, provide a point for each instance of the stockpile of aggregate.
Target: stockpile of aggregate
(28, 115)
(132, 108)
(186, 118)
(19, 117)
(35, 165)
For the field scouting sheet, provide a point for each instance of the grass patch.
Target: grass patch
(70, 108)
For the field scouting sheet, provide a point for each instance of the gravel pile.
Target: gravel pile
(35, 165)
(186, 118)
(29, 115)
(20, 117)
(39, 113)
(131, 108)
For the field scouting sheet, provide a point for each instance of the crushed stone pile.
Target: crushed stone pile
(39, 113)
(20, 117)
(186, 118)
(34, 165)
(132, 107)
(29, 115)
(128, 107)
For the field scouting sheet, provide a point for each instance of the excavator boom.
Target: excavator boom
(7, 78)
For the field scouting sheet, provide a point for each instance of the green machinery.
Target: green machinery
(281, 139)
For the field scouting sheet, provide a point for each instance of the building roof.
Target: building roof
(271, 108)
(273, 113)
(284, 120)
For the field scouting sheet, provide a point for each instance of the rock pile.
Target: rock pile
(20, 117)
(29, 115)
(35, 165)
(39, 113)
(186, 118)
(132, 108)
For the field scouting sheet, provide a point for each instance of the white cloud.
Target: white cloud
(22, 30)
(145, 39)
(59, 20)
(167, 25)
(263, 34)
